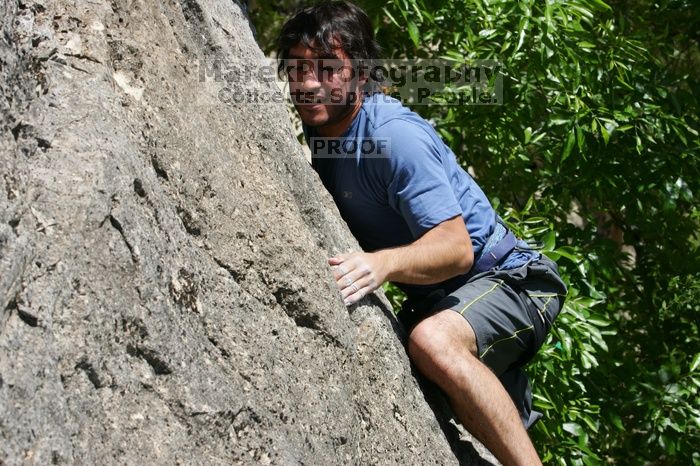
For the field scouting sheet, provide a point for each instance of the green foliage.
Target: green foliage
(571, 351)
(594, 153)
(395, 295)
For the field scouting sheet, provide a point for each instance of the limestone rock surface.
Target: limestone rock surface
(165, 297)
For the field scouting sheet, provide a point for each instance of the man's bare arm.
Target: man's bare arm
(442, 252)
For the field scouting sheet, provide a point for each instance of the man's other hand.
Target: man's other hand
(357, 274)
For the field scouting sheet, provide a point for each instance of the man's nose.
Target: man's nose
(309, 82)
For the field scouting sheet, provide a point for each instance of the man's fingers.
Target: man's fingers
(353, 275)
(337, 260)
(356, 272)
(347, 267)
(340, 265)
(339, 271)
(357, 295)
(357, 290)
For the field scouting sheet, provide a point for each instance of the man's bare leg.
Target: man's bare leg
(443, 347)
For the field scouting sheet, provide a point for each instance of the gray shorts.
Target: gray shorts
(511, 312)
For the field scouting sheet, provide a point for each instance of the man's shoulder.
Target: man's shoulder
(407, 133)
(387, 115)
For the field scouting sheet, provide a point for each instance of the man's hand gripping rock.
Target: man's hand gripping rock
(357, 274)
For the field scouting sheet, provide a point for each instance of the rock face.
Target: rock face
(163, 280)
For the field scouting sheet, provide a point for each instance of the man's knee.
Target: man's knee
(438, 342)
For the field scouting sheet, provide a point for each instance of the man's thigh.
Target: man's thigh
(510, 312)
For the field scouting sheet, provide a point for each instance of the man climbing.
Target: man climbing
(480, 303)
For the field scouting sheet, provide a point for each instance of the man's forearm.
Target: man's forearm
(442, 252)
(425, 262)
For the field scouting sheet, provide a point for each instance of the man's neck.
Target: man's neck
(336, 129)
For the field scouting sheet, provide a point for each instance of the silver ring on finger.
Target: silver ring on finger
(354, 288)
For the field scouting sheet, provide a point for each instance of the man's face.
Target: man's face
(323, 89)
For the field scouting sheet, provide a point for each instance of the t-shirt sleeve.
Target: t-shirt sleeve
(420, 189)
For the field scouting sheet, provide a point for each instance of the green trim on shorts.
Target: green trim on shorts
(493, 288)
(531, 327)
(545, 295)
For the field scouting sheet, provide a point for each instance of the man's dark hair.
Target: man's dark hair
(325, 26)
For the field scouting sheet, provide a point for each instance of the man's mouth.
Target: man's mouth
(308, 100)
(312, 102)
(310, 107)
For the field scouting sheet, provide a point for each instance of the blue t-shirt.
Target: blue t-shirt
(393, 179)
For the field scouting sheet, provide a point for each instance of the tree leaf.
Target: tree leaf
(617, 422)
(549, 241)
(695, 363)
(580, 139)
(605, 134)
(573, 428)
(413, 33)
(570, 140)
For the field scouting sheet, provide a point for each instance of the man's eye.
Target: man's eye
(299, 66)
(294, 71)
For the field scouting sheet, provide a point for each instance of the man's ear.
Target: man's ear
(364, 77)
(363, 73)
